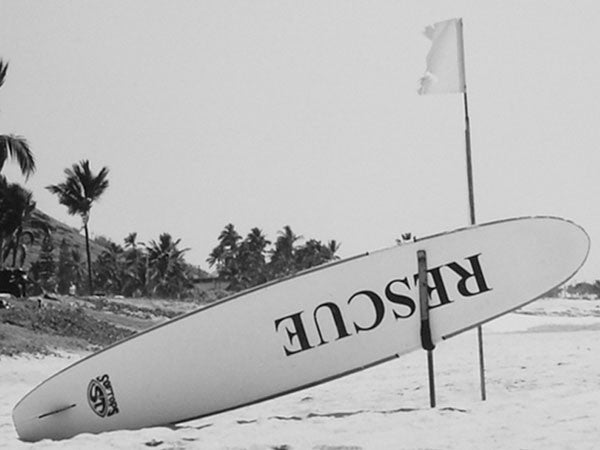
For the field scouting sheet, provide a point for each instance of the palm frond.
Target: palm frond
(81, 188)
(3, 69)
(16, 205)
(17, 148)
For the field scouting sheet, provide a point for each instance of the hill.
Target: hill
(59, 231)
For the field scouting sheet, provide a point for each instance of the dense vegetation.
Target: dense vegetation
(244, 263)
(158, 268)
(582, 289)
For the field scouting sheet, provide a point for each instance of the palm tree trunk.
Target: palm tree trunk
(89, 259)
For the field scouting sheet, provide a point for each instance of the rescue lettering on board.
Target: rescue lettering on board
(470, 282)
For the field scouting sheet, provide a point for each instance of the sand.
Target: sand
(543, 388)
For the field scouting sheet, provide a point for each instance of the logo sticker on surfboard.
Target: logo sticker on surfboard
(101, 396)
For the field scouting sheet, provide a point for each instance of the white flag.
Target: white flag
(445, 73)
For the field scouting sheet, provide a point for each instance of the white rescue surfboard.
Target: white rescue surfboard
(308, 329)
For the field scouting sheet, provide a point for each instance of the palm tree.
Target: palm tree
(251, 259)
(282, 258)
(166, 266)
(308, 255)
(110, 269)
(78, 192)
(333, 246)
(136, 266)
(14, 146)
(16, 206)
(131, 241)
(224, 255)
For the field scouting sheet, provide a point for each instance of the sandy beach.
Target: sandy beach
(543, 387)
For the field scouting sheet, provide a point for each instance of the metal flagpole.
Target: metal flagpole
(440, 68)
(469, 164)
(473, 221)
(471, 197)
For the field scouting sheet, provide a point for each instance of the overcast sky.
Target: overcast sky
(273, 113)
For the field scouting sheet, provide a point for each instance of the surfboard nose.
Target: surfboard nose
(572, 243)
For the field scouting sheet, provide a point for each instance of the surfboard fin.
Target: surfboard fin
(57, 411)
